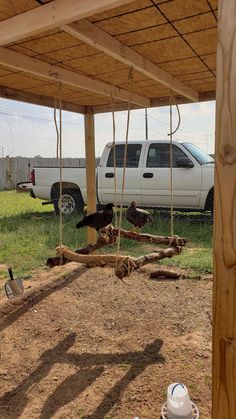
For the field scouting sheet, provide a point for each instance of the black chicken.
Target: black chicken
(99, 219)
(138, 217)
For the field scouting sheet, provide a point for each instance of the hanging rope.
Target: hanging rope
(171, 172)
(171, 133)
(58, 100)
(56, 126)
(130, 79)
(114, 153)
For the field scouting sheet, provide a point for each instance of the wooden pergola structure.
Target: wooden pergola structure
(171, 45)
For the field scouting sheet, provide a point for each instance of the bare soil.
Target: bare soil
(80, 343)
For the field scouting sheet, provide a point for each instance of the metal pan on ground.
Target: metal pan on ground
(13, 287)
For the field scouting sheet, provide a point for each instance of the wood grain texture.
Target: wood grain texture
(224, 290)
(91, 34)
(90, 171)
(50, 16)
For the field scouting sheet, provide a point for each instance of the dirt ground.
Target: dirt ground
(82, 344)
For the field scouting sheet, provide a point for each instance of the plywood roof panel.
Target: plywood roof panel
(203, 42)
(210, 61)
(196, 23)
(183, 66)
(94, 64)
(118, 11)
(179, 9)
(195, 76)
(179, 36)
(19, 81)
(213, 4)
(147, 88)
(204, 84)
(137, 20)
(143, 36)
(57, 41)
(165, 50)
(121, 76)
(12, 8)
(72, 53)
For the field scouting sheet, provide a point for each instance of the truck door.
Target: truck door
(132, 177)
(156, 177)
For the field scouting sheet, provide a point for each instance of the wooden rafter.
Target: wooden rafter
(27, 97)
(91, 34)
(34, 66)
(51, 15)
(154, 103)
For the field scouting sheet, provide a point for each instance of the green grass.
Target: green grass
(29, 233)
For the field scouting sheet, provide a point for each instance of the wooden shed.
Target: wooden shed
(180, 48)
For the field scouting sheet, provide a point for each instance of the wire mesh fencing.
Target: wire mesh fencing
(174, 183)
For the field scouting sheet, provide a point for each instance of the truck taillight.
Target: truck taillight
(33, 177)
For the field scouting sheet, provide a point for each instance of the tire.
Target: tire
(210, 202)
(72, 201)
(100, 207)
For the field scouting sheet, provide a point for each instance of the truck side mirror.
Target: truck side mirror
(184, 162)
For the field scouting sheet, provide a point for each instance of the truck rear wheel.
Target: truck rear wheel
(71, 201)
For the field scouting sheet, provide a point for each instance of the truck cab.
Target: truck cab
(148, 174)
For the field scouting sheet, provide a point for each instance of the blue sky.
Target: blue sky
(29, 130)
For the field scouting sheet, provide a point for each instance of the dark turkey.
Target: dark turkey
(138, 217)
(99, 219)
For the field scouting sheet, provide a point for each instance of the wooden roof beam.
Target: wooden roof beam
(27, 97)
(91, 34)
(51, 15)
(39, 68)
(154, 103)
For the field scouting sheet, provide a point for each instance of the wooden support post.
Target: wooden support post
(224, 289)
(90, 171)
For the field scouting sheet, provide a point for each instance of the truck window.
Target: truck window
(133, 155)
(159, 155)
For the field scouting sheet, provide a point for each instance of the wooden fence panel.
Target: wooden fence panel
(17, 169)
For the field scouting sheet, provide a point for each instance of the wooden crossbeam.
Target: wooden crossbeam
(51, 15)
(34, 66)
(91, 34)
(27, 97)
(154, 103)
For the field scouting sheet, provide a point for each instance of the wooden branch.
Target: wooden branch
(91, 247)
(96, 260)
(145, 238)
(110, 235)
(126, 264)
(130, 264)
(167, 273)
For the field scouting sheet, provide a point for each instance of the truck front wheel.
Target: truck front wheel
(70, 202)
(209, 206)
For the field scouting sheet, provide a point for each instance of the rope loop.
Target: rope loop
(131, 74)
(128, 264)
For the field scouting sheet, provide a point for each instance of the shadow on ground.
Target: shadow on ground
(90, 367)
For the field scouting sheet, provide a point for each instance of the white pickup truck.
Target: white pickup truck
(147, 178)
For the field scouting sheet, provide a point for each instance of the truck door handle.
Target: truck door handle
(109, 174)
(148, 175)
